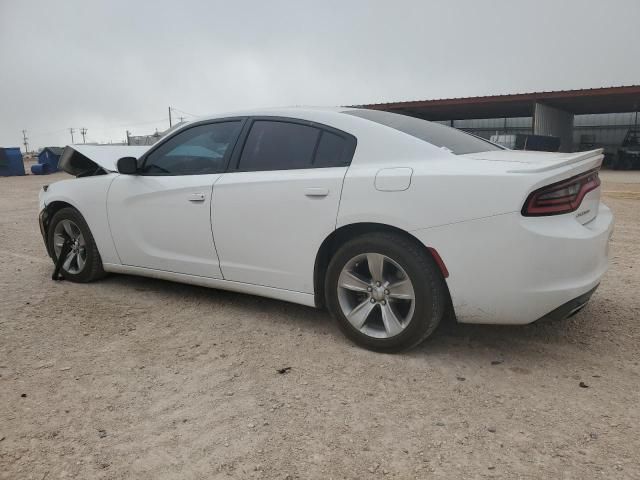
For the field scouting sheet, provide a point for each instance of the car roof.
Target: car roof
(292, 111)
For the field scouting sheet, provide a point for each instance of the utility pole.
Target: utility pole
(26, 143)
(181, 119)
(71, 130)
(83, 132)
(170, 125)
(128, 140)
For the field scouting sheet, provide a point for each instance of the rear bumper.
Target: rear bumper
(571, 307)
(510, 269)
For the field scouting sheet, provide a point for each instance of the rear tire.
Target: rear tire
(394, 309)
(84, 263)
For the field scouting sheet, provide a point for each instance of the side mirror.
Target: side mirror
(128, 165)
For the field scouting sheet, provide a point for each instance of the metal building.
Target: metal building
(581, 119)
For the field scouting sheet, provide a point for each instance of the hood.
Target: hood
(81, 160)
(524, 161)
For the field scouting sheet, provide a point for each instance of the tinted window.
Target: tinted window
(331, 151)
(196, 151)
(273, 145)
(436, 134)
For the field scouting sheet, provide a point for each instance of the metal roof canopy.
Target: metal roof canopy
(592, 100)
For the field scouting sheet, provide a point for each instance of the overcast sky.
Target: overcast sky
(116, 65)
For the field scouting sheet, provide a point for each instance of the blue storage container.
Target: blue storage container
(50, 156)
(40, 169)
(11, 162)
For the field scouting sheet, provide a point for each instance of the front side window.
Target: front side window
(198, 150)
(454, 140)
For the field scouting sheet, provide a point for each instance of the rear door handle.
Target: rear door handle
(196, 197)
(316, 192)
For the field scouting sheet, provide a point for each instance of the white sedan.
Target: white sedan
(389, 221)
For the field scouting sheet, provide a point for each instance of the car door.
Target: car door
(160, 218)
(279, 201)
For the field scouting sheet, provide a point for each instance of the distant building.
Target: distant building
(141, 140)
(581, 119)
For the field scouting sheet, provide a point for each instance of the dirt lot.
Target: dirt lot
(145, 379)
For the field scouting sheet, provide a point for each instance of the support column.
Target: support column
(553, 121)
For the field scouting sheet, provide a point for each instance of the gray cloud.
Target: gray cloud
(114, 65)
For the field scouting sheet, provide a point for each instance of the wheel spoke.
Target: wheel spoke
(359, 315)
(67, 261)
(391, 323)
(376, 266)
(402, 290)
(80, 261)
(81, 239)
(352, 281)
(66, 224)
(58, 240)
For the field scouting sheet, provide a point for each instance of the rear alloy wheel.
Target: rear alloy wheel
(385, 291)
(82, 262)
(371, 286)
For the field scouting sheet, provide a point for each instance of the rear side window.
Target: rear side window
(283, 145)
(278, 146)
(454, 140)
(331, 150)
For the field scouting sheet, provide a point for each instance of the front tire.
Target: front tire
(385, 291)
(83, 263)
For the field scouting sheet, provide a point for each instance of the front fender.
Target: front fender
(88, 195)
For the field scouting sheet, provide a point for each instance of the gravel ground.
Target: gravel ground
(146, 379)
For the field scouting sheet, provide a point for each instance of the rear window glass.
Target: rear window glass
(456, 141)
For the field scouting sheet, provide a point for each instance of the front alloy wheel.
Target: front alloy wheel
(76, 259)
(82, 263)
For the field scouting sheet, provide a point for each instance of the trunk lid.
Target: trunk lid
(523, 161)
(83, 160)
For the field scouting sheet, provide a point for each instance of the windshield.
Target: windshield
(454, 140)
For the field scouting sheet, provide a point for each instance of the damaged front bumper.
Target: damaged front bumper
(43, 222)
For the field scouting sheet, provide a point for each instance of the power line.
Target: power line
(161, 120)
(186, 113)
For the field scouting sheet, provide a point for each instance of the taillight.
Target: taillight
(561, 197)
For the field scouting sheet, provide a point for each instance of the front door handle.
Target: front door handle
(316, 192)
(196, 197)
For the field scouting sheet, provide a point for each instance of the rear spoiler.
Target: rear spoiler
(567, 159)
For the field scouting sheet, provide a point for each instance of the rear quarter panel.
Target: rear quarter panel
(443, 190)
